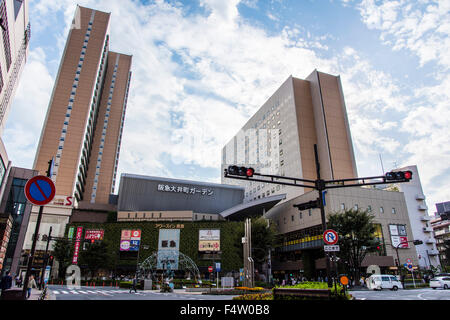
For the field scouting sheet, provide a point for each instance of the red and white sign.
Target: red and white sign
(210, 269)
(330, 237)
(126, 235)
(76, 250)
(136, 235)
(94, 234)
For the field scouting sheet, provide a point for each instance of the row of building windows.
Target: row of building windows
(100, 153)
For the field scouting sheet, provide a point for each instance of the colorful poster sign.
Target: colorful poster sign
(209, 240)
(130, 240)
(398, 235)
(76, 251)
(205, 245)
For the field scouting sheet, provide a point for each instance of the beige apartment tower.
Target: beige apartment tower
(279, 138)
(84, 121)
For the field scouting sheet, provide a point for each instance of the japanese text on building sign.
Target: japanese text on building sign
(93, 235)
(187, 190)
(169, 226)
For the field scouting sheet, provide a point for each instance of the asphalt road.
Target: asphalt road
(410, 294)
(110, 293)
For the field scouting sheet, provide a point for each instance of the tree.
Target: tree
(356, 231)
(447, 251)
(95, 256)
(63, 251)
(263, 238)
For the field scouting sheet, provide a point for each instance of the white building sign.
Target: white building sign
(186, 190)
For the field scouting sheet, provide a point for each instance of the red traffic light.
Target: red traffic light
(240, 171)
(408, 175)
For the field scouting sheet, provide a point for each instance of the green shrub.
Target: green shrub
(256, 296)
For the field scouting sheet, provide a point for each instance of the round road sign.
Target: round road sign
(330, 237)
(343, 280)
(210, 269)
(40, 190)
(408, 261)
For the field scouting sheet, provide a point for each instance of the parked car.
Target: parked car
(384, 281)
(440, 282)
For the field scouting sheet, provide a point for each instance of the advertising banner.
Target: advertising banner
(209, 240)
(94, 234)
(398, 235)
(210, 234)
(76, 251)
(205, 245)
(168, 249)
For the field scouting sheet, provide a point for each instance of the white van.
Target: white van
(383, 281)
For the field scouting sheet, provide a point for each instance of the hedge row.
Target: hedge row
(230, 240)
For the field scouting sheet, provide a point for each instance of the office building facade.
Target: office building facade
(301, 231)
(279, 138)
(419, 219)
(15, 33)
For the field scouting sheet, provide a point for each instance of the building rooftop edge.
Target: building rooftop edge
(143, 177)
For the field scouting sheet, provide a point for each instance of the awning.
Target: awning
(253, 208)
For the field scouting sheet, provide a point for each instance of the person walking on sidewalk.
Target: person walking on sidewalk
(6, 282)
(31, 284)
(133, 285)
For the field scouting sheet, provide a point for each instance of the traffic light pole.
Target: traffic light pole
(44, 264)
(320, 188)
(243, 173)
(33, 245)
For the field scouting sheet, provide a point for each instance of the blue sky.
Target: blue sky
(202, 68)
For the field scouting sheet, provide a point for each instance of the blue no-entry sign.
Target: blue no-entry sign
(40, 190)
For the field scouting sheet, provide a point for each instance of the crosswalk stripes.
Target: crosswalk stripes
(104, 292)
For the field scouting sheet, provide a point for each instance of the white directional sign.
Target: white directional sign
(331, 248)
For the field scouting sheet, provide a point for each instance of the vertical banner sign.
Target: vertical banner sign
(168, 248)
(77, 245)
(70, 233)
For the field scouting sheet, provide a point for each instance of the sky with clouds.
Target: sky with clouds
(202, 68)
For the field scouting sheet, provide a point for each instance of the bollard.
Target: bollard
(103, 283)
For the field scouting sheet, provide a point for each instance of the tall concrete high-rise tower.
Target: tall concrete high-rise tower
(279, 138)
(84, 121)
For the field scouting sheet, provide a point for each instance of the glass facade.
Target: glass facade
(15, 206)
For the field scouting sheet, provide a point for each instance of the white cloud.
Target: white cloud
(214, 70)
(28, 109)
(423, 29)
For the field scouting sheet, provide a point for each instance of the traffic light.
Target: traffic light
(307, 205)
(241, 171)
(399, 175)
(50, 260)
